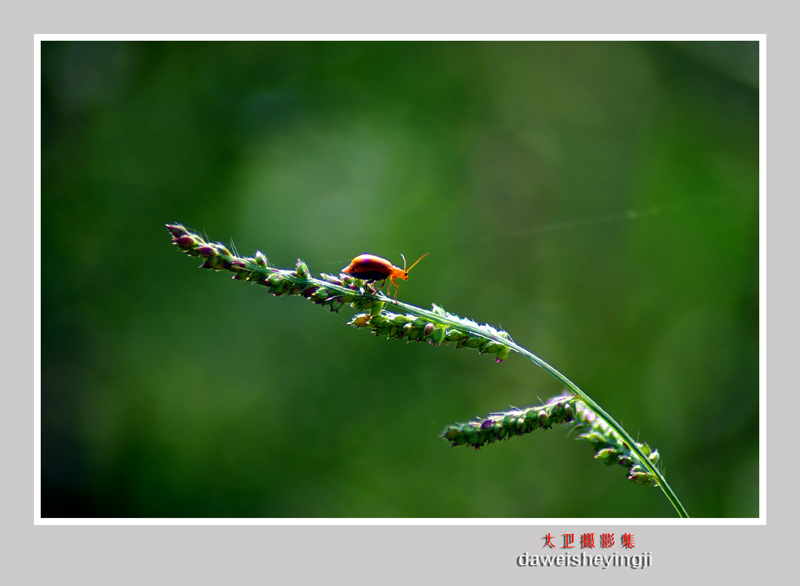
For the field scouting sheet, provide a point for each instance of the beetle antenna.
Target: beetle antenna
(415, 264)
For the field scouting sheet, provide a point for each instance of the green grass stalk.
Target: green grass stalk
(437, 327)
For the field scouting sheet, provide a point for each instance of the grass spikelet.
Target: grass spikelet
(612, 444)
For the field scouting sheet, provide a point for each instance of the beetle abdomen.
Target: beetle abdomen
(367, 275)
(369, 268)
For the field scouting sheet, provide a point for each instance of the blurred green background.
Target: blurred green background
(598, 200)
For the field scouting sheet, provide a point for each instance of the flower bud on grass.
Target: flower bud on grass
(564, 409)
(416, 329)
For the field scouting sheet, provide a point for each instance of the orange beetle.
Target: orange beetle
(369, 267)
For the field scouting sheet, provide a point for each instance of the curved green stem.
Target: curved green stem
(301, 282)
(591, 403)
(496, 337)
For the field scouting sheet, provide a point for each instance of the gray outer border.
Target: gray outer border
(391, 554)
